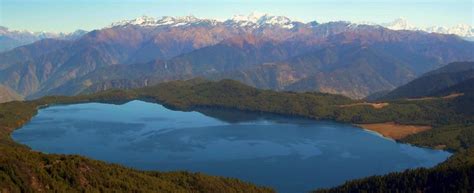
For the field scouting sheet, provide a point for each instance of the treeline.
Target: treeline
(232, 94)
(21, 168)
(453, 137)
(449, 180)
(456, 175)
(186, 95)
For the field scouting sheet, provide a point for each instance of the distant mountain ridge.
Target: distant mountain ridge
(10, 39)
(256, 20)
(336, 57)
(463, 30)
(253, 20)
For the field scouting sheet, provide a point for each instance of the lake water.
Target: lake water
(288, 154)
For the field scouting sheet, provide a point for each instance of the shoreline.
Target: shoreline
(195, 95)
(376, 133)
(191, 108)
(155, 170)
(388, 130)
(394, 130)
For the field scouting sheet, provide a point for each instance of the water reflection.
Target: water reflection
(290, 154)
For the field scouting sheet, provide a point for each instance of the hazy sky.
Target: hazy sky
(69, 15)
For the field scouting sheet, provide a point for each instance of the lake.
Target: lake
(287, 153)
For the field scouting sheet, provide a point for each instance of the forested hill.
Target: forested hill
(433, 82)
(22, 170)
(465, 87)
(453, 176)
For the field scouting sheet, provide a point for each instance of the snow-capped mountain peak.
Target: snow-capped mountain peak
(146, 21)
(463, 30)
(256, 20)
(400, 24)
(251, 18)
(143, 21)
(281, 21)
(177, 21)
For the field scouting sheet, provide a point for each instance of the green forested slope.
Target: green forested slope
(433, 82)
(455, 175)
(24, 170)
(466, 86)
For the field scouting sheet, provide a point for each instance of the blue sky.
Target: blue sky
(69, 15)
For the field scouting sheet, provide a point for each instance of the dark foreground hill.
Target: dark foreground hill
(434, 82)
(466, 86)
(22, 170)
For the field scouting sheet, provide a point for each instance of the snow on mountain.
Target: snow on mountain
(400, 24)
(147, 21)
(253, 20)
(24, 34)
(143, 21)
(246, 20)
(257, 20)
(10, 39)
(280, 21)
(462, 30)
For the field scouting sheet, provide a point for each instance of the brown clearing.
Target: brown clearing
(440, 147)
(454, 95)
(384, 104)
(393, 130)
(451, 96)
(374, 105)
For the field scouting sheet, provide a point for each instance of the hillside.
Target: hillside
(10, 39)
(328, 70)
(7, 94)
(25, 170)
(442, 178)
(285, 55)
(434, 82)
(466, 87)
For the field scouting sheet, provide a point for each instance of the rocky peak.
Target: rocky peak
(257, 20)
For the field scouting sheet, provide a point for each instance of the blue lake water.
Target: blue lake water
(286, 153)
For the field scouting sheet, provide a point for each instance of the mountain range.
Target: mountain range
(463, 30)
(257, 20)
(10, 39)
(271, 52)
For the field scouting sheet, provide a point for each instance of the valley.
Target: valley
(187, 95)
(255, 147)
(175, 97)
